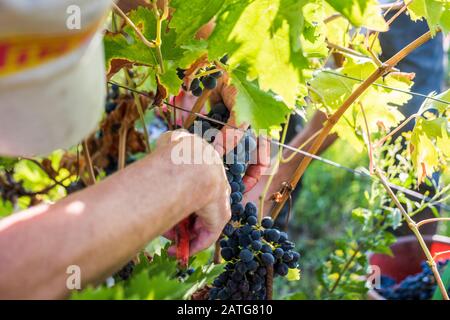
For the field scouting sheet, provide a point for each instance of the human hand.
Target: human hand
(212, 207)
(231, 134)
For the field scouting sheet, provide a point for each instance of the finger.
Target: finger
(203, 241)
(224, 92)
(204, 237)
(178, 102)
(186, 100)
(210, 222)
(254, 171)
(228, 138)
(164, 139)
(171, 136)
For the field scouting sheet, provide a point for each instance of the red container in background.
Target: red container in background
(407, 258)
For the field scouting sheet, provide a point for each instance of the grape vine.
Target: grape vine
(254, 252)
(279, 58)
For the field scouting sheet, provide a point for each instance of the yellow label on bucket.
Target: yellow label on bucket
(24, 52)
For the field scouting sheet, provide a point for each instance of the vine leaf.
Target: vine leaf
(429, 145)
(314, 33)
(441, 107)
(330, 90)
(293, 275)
(436, 12)
(155, 279)
(132, 49)
(263, 35)
(7, 163)
(99, 293)
(361, 13)
(189, 16)
(170, 79)
(262, 110)
(429, 141)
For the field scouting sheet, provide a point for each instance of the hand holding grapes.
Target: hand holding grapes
(213, 211)
(222, 99)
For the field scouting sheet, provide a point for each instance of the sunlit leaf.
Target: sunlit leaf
(361, 13)
(436, 13)
(293, 275)
(259, 108)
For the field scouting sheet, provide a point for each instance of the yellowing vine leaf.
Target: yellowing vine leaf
(441, 107)
(429, 146)
(436, 12)
(443, 143)
(330, 89)
(293, 275)
(361, 13)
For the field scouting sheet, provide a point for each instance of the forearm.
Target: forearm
(287, 169)
(306, 137)
(97, 229)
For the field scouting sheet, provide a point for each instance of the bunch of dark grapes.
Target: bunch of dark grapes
(249, 248)
(183, 274)
(75, 186)
(208, 81)
(208, 129)
(126, 271)
(113, 94)
(420, 286)
(10, 189)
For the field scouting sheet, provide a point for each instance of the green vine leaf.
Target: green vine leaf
(189, 16)
(314, 33)
(429, 143)
(131, 48)
(7, 163)
(262, 110)
(436, 12)
(263, 35)
(99, 293)
(331, 89)
(361, 13)
(429, 140)
(170, 79)
(154, 280)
